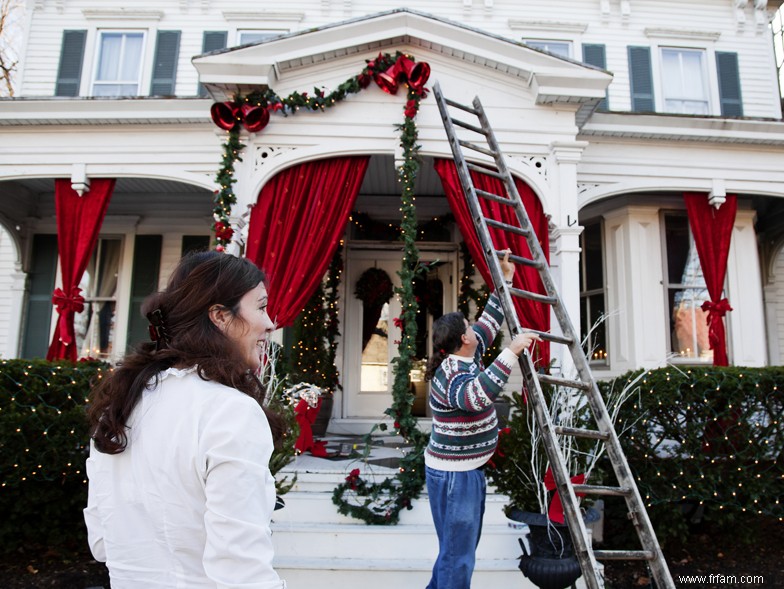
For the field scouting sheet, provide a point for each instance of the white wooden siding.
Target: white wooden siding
(576, 21)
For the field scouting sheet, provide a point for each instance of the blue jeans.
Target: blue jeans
(457, 502)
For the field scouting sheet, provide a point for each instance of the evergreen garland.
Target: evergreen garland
(382, 502)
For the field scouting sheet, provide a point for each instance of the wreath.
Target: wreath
(374, 288)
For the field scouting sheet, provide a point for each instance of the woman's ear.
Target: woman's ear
(219, 315)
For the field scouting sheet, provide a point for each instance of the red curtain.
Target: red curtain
(79, 220)
(296, 226)
(532, 314)
(712, 231)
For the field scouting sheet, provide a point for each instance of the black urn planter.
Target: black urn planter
(321, 424)
(551, 563)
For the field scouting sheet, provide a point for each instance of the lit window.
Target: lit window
(684, 81)
(592, 295)
(118, 71)
(559, 48)
(686, 292)
(94, 326)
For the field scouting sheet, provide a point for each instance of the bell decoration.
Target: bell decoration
(416, 74)
(255, 118)
(224, 114)
(387, 80)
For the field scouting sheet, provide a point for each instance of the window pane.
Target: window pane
(109, 62)
(677, 242)
(375, 355)
(561, 48)
(94, 326)
(119, 64)
(683, 81)
(592, 250)
(131, 58)
(596, 345)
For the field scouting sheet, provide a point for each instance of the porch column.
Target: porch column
(565, 237)
(18, 286)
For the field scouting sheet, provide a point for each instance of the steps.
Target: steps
(315, 546)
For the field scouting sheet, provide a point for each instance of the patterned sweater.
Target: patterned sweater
(465, 426)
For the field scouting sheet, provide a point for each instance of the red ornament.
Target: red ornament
(364, 80)
(387, 80)
(219, 248)
(254, 117)
(225, 114)
(416, 74)
(223, 231)
(411, 109)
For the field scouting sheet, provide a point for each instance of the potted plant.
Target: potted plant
(520, 470)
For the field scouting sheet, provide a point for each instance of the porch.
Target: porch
(315, 546)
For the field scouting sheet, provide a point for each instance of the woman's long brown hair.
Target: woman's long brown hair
(200, 281)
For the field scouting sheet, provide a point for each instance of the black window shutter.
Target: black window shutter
(38, 309)
(69, 73)
(164, 75)
(144, 281)
(595, 54)
(641, 79)
(212, 41)
(194, 243)
(729, 84)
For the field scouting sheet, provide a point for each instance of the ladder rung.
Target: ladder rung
(495, 197)
(507, 227)
(464, 107)
(478, 148)
(551, 337)
(488, 171)
(468, 126)
(624, 555)
(601, 490)
(532, 296)
(564, 382)
(581, 433)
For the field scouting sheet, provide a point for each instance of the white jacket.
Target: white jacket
(188, 504)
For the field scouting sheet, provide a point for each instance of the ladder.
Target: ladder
(604, 431)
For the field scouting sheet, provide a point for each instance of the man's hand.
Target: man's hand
(507, 267)
(523, 341)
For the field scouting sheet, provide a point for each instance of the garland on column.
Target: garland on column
(377, 503)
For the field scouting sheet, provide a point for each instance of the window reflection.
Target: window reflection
(94, 326)
(375, 355)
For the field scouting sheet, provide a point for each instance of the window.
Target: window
(559, 48)
(254, 36)
(592, 295)
(686, 292)
(119, 65)
(684, 81)
(94, 326)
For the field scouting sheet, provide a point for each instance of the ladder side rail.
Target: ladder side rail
(634, 502)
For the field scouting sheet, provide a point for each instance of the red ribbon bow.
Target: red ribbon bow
(555, 512)
(67, 305)
(716, 312)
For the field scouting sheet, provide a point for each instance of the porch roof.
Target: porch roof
(552, 79)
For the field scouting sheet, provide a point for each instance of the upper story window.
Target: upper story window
(592, 293)
(686, 291)
(560, 48)
(684, 81)
(119, 64)
(256, 35)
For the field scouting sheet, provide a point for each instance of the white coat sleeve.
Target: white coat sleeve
(236, 444)
(95, 532)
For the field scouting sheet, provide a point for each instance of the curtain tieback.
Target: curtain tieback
(67, 305)
(716, 310)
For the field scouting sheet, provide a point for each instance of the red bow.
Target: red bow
(716, 311)
(67, 305)
(555, 512)
(306, 417)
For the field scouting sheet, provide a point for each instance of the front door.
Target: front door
(370, 336)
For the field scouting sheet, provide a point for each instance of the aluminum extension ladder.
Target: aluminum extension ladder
(627, 488)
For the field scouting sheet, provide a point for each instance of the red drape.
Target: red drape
(296, 225)
(712, 231)
(532, 314)
(79, 220)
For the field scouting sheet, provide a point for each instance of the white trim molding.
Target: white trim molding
(547, 25)
(692, 34)
(122, 14)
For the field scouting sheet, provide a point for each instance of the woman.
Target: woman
(180, 492)
(465, 431)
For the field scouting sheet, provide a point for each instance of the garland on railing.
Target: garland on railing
(378, 503)
(253, 112)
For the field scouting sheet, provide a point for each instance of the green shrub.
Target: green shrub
(43, 448)
(706, 443)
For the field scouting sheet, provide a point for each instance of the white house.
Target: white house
(609, 110)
